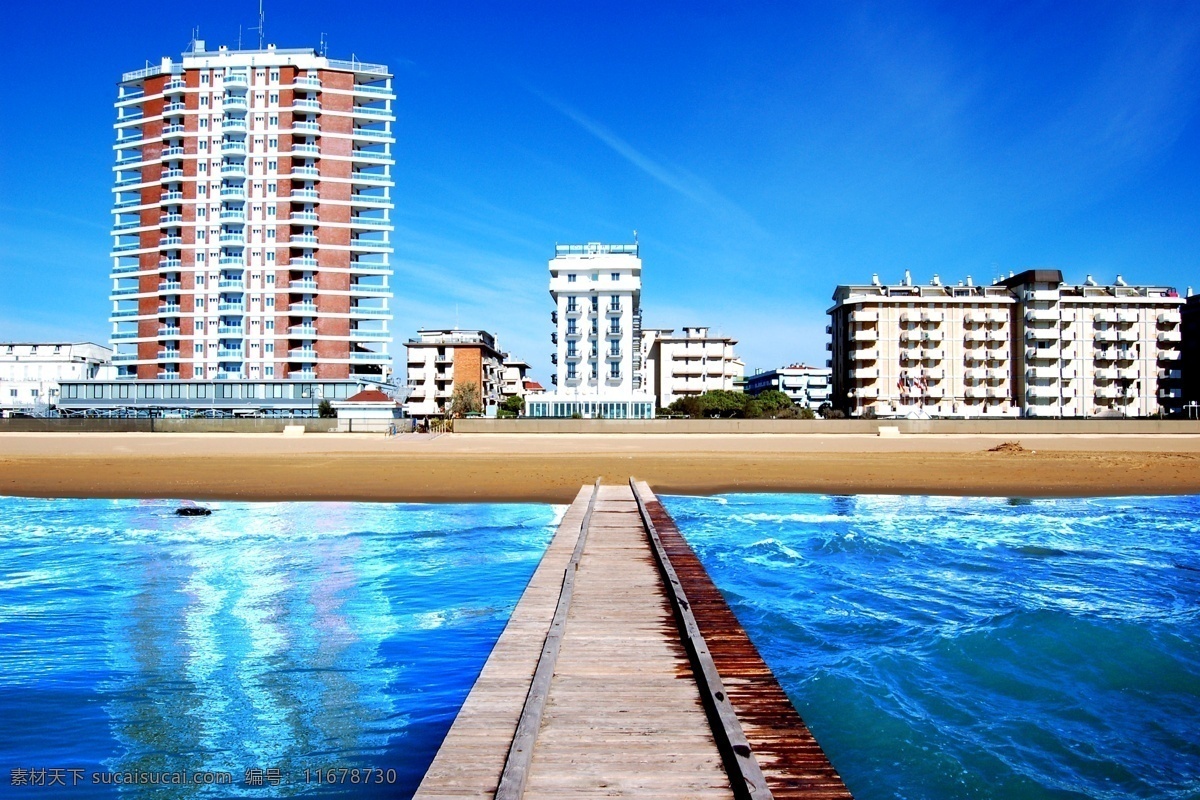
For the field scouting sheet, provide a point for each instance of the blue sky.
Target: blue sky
(763, 152)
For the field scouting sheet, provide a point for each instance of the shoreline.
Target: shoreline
(551, 467)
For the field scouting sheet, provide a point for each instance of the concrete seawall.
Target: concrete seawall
(831, 427)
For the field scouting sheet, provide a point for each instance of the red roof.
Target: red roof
(370, 396)
(533, 386)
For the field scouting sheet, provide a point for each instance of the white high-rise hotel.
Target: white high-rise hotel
(596, 290)
(251, 217)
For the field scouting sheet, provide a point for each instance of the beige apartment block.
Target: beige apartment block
(1027, 345)
(440, 360)
(690, 364)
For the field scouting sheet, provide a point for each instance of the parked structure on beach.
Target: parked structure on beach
(31, 373)
(806, 386)
(443, 359)
(688, 365)
(596, 289)
(252, 218)
(1026, 345)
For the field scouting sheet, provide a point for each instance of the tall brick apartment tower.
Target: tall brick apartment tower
(252, 217)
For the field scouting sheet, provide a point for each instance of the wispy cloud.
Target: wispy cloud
(678, 179)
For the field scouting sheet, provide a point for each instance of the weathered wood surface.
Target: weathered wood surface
(792, 762)
(623, 717)
(623, 714)
(472, 756)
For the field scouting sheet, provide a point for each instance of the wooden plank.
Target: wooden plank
(792, 762)
(472, 756)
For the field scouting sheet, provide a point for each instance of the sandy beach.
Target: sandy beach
(550, 468)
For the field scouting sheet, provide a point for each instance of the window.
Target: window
(268, 348)
(204, 79)
(271, 277)
(271, 188)
(274, 120)
(616, 276)
(270, 325)
(571, 277)
(571, 372)
(271, 256)
(272, 164)
(270, 302)
(274, 97)
(615, 372)
(270, 372)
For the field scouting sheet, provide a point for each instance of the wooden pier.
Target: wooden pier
(623, 673)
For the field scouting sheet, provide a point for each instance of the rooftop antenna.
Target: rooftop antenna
(260, 25)
(324, 44)
(195, 39)
(239, 36)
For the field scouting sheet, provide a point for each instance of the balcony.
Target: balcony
(369, 311)
(307, 105)
(169, 263)
(864, 335)
(865, 373)
(864, 316)
(230, 330)
(554, 338)
(119, 357)
(233, 215)
(306, 127)
(229, 283)
(1041, 315)
(301, 261)
(1169, 336)
(302, 308)
(1042, 392)
(231, 261)
(1041, 354)
(1042, 334)
(370, 222)
(303, 330)
(368, 155)
(1170, 374)
(1168, 355)
(234, 102)
(306, 284)
(615, 330)
(358, 333)
(233, 125)
(375, 178)
(305, 194)
(865, 354)
(230, 147)
(236, 80)
(368, 133)
(1107, 392)
(168, 308)
(228, 354)
(366, 356)
(370, 289)
(305, 216)
(931, 355)
(238, 239)
(1168, 319)
(370, 200)
(168, 355)
(233, 170)
(302, 354)
(304, 239)
(169, 286)
(236, 308)
(306, 172)
(370, 111)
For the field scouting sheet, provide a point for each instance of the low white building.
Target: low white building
(30, 373)
(513, 378)
(369, 411)
(806, 386)
(690, 364)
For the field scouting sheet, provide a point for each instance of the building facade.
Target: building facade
(808, 387)
(124, 397)
(251, 231)
(1028, 345)
(31, 373)
(596, 289)
(1189, 363)
(690, 364)
(441, 360)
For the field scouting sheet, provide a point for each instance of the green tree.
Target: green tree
(773, 400)
(325, 410)
(514, 405)
(465, 399)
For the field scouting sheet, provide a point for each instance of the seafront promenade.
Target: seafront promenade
(551, 467)
(622, 673)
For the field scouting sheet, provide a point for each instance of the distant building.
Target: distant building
(513, 379)
(806, 386)
(1027, 345)
(689, 365)
(440, 360)
(122, 397)
(251, 227)
(1188, 374)
(596, 290)
(31, 373)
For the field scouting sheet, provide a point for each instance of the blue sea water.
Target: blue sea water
(289, 636)
(971, 647)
